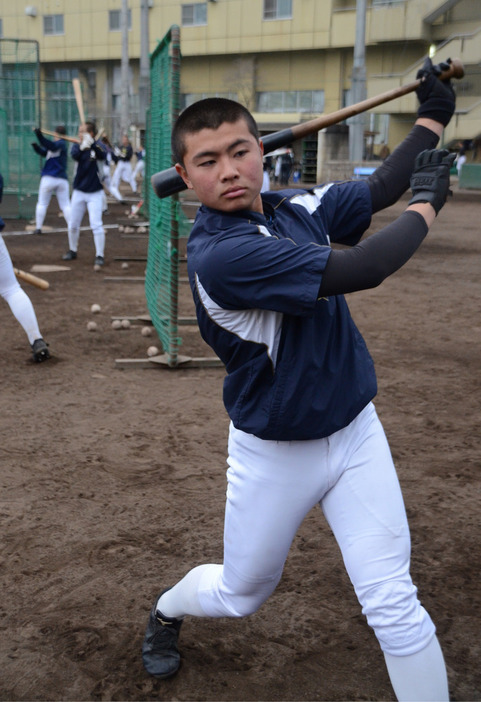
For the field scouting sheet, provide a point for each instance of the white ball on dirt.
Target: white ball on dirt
(125, 324)
(95, 309)
(146, 331)
(125, 266)
(116, 324)
(152, 351)
(92, 326)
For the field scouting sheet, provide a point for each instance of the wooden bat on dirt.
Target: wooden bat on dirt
(78, 99)
(32, 279)
(168, 182)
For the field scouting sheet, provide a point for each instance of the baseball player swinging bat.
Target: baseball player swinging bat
(168, 182)
(32, 279)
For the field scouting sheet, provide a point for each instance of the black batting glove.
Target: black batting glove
(436, 97)
(430, 178)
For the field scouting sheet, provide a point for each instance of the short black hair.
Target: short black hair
(209, 113)
(91, 128)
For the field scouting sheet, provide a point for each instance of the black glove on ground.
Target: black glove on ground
(430, 178)
(436, 97)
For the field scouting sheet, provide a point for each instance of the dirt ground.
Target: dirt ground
(113, 484)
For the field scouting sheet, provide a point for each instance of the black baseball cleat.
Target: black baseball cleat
(70, 255)
(40, 351)
(160, 655)
(37, 231)
(99, 261)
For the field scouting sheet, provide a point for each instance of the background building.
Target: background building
(286, 60)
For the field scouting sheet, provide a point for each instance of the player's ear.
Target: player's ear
(183, 174)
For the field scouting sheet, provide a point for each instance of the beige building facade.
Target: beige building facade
(287, 60)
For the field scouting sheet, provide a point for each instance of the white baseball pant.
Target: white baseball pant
(93, 203)
(272, 485)
(271, 488)
(123, 171)
(52, 186)
(139, 169)
(17, 298)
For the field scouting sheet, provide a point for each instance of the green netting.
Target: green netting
(27, 102)
(19, 102)
(162, 272)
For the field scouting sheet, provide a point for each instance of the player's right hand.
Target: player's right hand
(430, 178)
(87, 141)
(436, 97)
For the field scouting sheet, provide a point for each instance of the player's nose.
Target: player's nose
(228, 169)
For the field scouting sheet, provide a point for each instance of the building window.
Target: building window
(194, 14)
(310, 101)
(277, 9)
(115, 20)
(189, 98)
(53, 24)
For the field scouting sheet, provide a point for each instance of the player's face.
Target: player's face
(224, 167)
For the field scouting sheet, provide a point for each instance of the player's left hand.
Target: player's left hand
(436, 97)
(87, 141)
(430, 178)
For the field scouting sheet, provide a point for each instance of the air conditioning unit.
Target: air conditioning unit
(31, 11)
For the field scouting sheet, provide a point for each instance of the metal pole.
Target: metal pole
(358, 89)
(124, 69)
(144, 74)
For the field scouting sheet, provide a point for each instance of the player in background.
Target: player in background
(18, 300)
(87, 193)
(106, 171)
(139, 170)
(54, 178)
(123, 169)
(269, 294)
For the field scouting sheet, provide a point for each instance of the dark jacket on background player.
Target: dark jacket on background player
(87, 177)
(55, 153)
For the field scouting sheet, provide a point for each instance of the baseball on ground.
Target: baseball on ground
(125, 324)
(95, 309)
(116, 324)
(152, 351)
(91, 326)
(146, 331)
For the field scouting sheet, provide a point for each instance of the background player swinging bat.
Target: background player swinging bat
(168, 182)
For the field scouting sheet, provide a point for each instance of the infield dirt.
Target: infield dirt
(113, 486)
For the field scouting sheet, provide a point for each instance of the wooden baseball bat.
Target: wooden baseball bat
(168, 182)
(74, 140)
(32, 279)
(78, 99)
